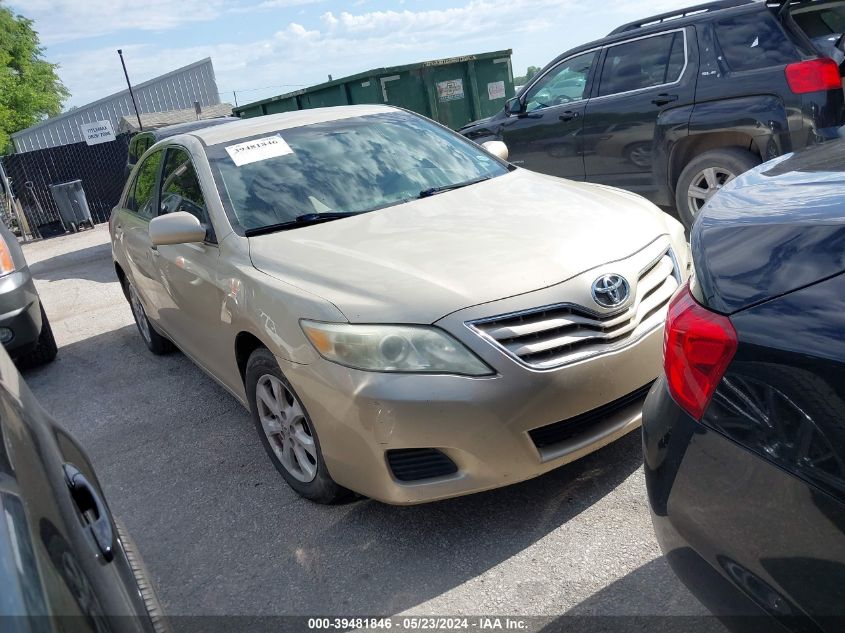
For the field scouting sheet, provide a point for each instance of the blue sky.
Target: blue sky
(266, 47)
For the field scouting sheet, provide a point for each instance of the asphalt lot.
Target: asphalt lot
(222, 534)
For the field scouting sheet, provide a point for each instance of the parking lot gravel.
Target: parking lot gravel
(223, 534)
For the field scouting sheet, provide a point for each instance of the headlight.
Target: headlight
(399, 348)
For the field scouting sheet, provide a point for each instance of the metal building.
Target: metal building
(175, 90)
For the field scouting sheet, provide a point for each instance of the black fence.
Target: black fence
(101, 168)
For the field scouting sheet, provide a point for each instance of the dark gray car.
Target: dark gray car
(65, 564)
(24, 328)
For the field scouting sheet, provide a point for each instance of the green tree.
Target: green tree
(524, 79)
(30, 89)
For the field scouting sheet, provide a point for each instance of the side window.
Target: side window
(142, 200)
(754, 41)
(137, 146)
(645, 63)
(180, 187)
(834, 20)
(567, 82)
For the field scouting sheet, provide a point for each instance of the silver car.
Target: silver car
(405, 315)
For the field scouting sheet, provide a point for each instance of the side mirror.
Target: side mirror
(514, 106)
(497, 148)
(176, 228)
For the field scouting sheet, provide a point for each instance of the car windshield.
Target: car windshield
(348, 166)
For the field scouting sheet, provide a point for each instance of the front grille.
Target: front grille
(414, 464)
(568, 430)
(556, 335)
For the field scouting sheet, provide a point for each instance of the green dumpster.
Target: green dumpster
(453, 91)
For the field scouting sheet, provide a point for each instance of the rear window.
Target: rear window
(754, 40)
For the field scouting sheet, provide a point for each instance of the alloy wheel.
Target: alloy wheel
(705, 185)
(139, 314)
(286, 427)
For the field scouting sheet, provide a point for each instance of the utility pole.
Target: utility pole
(131, 94)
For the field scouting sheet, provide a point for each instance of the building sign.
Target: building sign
(97, 132)
(450, 90)
(496, 90)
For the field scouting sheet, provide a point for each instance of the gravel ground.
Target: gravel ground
(223, 534)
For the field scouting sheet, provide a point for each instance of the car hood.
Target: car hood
(776, 228)
(476, 123)
(419, 261)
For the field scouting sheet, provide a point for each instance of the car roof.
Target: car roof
(189, 126)
(254, 126)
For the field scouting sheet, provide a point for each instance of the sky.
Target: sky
(262, 48)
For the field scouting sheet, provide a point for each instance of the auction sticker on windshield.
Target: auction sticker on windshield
(258, 149)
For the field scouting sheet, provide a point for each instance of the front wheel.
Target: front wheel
(286, 431)
(705, 175)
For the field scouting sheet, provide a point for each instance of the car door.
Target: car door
(640, 80)
(132, 233)
(63, 566)
(192, 301)
(546, 135)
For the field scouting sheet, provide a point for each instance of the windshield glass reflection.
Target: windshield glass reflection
(348, 166)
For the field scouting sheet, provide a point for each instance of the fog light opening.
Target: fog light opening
(6, 335)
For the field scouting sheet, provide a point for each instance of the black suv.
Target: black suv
(674, 106)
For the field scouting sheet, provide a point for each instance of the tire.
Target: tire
(705, 175)
(154, 341)
(142, 578)
(45, 349)
(306, 470)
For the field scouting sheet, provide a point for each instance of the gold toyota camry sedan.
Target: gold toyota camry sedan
(405, 314)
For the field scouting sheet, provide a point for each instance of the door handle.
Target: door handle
(92, 508)
(569, 115)
(664, 99)
(154, 249)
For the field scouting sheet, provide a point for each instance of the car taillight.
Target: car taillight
(7, 264)
(698, 346)
(813, 75)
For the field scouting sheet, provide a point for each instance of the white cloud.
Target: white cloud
(65, 20)
(285, 4)
(347, 43)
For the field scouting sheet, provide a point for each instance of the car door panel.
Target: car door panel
(548, 142)
(636, 86)
(546, 136)
(190, 311)
(193, 295)
(132, 226)
(140, 256)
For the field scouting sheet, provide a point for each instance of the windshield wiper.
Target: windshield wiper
(305, 219)
(425, 193)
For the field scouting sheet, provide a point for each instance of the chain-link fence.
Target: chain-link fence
(101, 168)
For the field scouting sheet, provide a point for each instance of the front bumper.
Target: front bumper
(20, 312)
(525, 420)
(481, 424)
